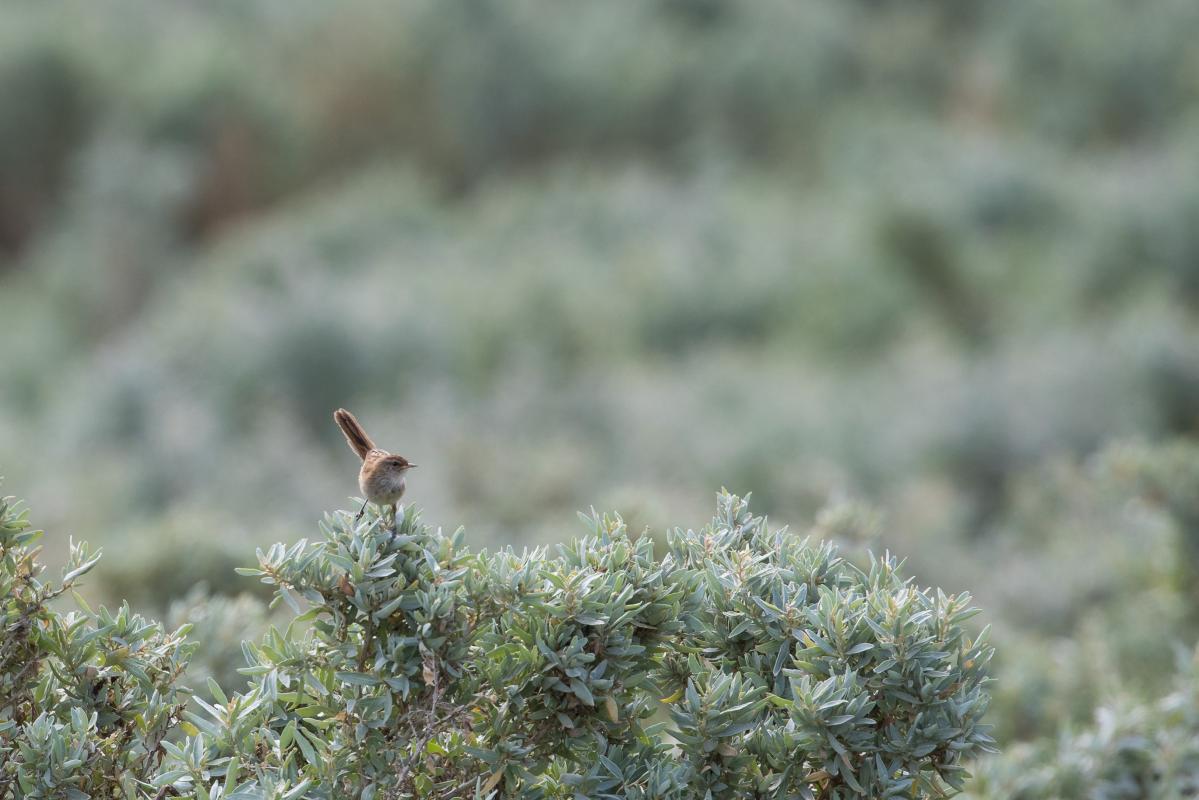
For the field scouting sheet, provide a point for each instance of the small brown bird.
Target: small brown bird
(381, 478)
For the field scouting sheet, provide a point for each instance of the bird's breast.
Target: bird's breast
(382, 487)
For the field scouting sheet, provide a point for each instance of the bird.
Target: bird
(381, 477)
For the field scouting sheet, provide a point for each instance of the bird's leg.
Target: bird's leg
(361, 511)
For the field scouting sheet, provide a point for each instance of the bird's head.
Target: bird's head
(396, 464)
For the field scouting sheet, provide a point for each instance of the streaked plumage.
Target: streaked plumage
(381, 478)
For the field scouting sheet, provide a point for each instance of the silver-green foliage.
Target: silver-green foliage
(86, 699)
(745, 663)
(1134, 750)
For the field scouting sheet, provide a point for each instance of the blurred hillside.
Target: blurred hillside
(927, 256)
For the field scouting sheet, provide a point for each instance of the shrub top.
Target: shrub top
(744, 663)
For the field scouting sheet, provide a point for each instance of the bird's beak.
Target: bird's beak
(410, 466)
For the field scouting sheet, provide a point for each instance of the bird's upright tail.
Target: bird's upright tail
(356, 437)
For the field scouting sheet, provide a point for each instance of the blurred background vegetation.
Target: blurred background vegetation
(921, 276)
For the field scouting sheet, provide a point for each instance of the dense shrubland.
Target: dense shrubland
(414, 664)
(709, 215)
(935, 261)
(1132, 749)
(747, 662)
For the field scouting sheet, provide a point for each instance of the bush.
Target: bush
(48, 109)
(86, 699)
(1166, 477)
(1133, 751)
(218, 624)
(745, 663)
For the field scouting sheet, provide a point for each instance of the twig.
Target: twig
(432, 728)
(367, 640)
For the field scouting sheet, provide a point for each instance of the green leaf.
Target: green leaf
(289, 599)
(581, 691)
(215, 689)
(305, 746)
(358, 678)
